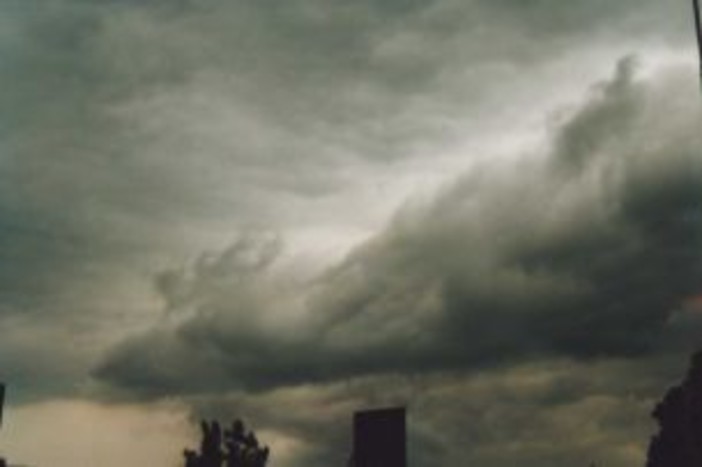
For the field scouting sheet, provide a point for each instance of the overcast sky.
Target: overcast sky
(486, 210)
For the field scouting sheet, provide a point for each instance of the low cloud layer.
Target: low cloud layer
(550, 412)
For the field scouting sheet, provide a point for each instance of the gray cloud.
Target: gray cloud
(584, 253)
(545, 296)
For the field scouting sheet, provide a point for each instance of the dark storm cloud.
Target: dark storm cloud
(124, 93)
(134, 132)
(52, 257)
(583, 253)
(110, 101)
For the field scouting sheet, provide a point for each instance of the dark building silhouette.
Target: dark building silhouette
(679, 415)
(380, 438)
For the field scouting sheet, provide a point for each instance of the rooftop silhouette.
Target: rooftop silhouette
(379, 438)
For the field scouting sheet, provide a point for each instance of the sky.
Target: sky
(487, 211)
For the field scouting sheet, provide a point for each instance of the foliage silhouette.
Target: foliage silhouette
(233, 447)
(679, 415)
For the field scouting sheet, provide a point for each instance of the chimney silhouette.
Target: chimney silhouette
(380, 438)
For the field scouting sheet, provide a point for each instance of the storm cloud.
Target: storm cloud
(288, 211)
(584, 252)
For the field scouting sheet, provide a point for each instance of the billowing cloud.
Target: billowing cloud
(584, 253)
(138, 135)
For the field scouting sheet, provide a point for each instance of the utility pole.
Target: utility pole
(698, 33)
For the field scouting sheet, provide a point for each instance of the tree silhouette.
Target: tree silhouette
(679, 415)
(232, 448)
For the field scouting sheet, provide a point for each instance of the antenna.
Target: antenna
(698, 32)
